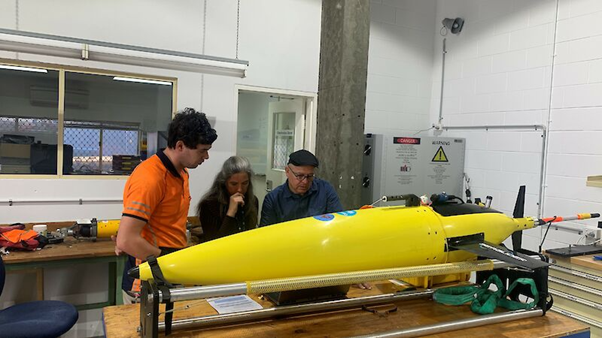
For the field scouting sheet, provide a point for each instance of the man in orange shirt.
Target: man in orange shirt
(156, 196)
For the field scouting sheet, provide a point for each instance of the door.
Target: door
(286, 124)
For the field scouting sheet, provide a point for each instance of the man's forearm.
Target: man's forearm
(140, 248)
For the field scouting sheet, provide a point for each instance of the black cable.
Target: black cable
(546, 234)
(453, 197)
(467, 191)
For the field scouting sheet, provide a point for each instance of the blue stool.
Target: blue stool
(39, 319)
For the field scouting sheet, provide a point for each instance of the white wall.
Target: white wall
(279, 38)
(400, 61)
(499, 71)
(576, 114)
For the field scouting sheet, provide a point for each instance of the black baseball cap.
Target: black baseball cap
(303, 157)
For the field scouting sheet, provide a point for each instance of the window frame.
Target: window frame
(63, 69)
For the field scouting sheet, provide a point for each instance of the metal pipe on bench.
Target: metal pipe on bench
(457, 325)
(197, 292)
(291, 310)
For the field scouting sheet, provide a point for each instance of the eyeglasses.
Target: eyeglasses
(300, 177)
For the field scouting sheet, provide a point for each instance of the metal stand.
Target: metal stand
(154, 294)
(149, 310)
(539, 276)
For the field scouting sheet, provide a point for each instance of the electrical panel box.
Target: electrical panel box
(400, 165)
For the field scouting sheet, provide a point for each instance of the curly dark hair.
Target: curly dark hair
(190, 127)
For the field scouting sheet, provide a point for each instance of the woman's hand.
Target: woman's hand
(236, 200)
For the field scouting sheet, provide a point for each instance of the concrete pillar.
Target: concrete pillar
(342, 95)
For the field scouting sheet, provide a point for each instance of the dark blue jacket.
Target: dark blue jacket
(281, 205)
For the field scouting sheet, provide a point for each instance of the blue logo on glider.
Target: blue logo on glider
(347, 213)
(325, 217)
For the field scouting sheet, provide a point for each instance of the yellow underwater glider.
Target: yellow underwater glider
(355, 240)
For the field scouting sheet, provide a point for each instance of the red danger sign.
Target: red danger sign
(406, 140)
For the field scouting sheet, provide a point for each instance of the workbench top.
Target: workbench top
(122, 321)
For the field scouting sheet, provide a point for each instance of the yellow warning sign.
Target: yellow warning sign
(440, 156)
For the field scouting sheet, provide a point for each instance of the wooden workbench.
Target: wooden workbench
(122, 321)
(71, 248)
(586, 261)
(70, 252)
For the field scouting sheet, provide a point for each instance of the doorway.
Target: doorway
(271, 125)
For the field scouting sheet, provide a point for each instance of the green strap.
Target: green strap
(456, 295)
(483, 300)
(505, 302)
(486, 302)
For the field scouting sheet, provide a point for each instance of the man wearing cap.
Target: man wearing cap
(302, 195)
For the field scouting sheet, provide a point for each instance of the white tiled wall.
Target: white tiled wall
(500, 71)
(399, 65)
(505, 55)
(576, 114)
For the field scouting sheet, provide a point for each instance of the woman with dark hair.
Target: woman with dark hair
(229, 206)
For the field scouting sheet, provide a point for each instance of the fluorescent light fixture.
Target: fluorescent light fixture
(91, 50)
(25, 69)
(133, 79)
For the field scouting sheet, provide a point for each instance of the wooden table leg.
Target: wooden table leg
(39, 279)
(112, 277)
(119, 266)
(40, 283)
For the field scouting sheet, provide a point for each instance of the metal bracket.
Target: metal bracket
(149, 310)
(464, 240)
(85, 51)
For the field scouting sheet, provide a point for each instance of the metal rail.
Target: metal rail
(576, 286)
(576, 273)
(576, 299)
(192, 293)
(486, 127)
(197, 292)
(579, 317)
(119, 46)
(177, 295)
(291, 310)
(457, 325)
(542, 164)
(79, 201)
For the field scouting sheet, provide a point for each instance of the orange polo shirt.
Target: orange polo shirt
(159, 195)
